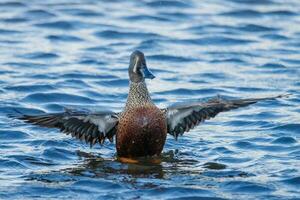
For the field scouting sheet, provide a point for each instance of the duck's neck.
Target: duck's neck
(138, 95)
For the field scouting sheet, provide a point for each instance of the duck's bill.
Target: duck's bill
(147, 73)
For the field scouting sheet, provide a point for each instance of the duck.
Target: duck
(141, 129)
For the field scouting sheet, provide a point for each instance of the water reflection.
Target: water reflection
(98, 166)
(160, 167)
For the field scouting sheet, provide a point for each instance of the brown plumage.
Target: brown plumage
(141, 131)
(141, 128)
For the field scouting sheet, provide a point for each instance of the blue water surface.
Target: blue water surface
(63, 53)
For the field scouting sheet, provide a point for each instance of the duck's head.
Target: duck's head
(138, 70)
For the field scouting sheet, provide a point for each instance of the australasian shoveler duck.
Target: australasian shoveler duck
(141, 128)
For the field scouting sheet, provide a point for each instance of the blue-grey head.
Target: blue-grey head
(138, 70)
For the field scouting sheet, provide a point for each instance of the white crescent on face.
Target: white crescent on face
(135, 67)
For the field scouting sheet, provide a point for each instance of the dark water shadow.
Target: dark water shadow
(158, 169)
(97, 166)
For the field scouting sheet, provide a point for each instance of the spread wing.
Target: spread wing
(183, 117)
(90, 127)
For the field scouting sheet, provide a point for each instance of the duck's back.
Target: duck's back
(141, 131)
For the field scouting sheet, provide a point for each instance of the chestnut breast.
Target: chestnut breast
(141, 131)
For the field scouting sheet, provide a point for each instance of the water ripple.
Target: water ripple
(63, 25)
(56, 97)
(166, 3)
(12, 135)
(217, 40)
(119, 35)
(38, 14)
(64, 38)
(39, 55)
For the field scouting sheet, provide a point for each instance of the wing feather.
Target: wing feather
(185, 116)
(90, 127)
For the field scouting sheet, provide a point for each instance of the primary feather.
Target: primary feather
(185, 116)
(90, 127)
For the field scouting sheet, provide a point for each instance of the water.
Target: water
(76, 53)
